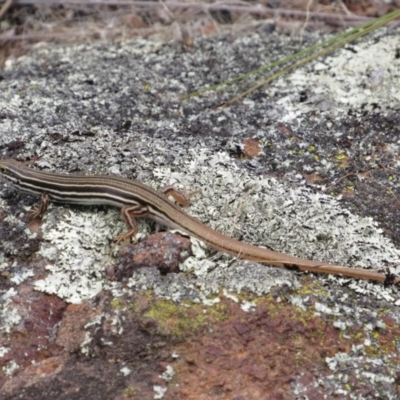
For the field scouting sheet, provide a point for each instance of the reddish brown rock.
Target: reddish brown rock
(163, 250)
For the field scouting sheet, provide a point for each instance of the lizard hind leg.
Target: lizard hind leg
(37, 212)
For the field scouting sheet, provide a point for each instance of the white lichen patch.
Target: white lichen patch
(21, 276)
(3, 262)
(4, 351)
(168, 374)
(9, 316)
(230, 296)
(299, 301)
(10, 367)
(364, 368)
(248, 306)
(125, 371)
(159, 392)
(347, 79)
(77, 246)
(85, 349)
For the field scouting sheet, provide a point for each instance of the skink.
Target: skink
(138, 200)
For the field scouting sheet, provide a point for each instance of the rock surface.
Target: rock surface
(322, 183)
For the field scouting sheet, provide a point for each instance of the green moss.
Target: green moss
(180, 319)
(116, 304)
(312, 288)
(130, 392)
(359, 336)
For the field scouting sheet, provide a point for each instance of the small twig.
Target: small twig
(344, 8)
(5, 8)
(385, 187)
(389, 169)
(339, 180)
(309, 4)
(167, 9)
